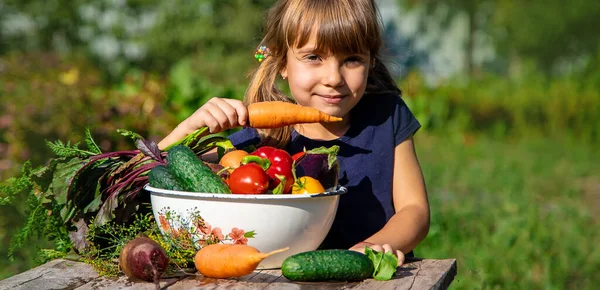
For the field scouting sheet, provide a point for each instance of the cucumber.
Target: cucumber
(194, 175)
(161, 177)
(327, 265)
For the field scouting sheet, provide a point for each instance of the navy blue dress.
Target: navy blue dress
(379, 122)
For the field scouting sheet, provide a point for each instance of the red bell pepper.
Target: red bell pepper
(281, 166)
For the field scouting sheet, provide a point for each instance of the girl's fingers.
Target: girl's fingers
(360, 247)
(401, 257)
(398, 253)
(219, 113)
(241, 111)
(230, 112)
(387, 248)
(214, 126)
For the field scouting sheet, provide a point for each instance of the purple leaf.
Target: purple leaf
(149, 148)
(79, 237)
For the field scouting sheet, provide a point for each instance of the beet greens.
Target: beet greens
(81, 187)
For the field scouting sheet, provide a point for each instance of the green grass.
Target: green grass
(515, 214)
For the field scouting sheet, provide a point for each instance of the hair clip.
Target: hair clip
(261, 53)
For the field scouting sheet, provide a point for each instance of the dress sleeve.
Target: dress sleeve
(405, 123)
(244, 138)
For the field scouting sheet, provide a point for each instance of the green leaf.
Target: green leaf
(87, 182)
(41, 177)
(91, 144)
(36, 220)
(67, 150)
(106, 212)
(385, 265)
(96, 203)
(133, 135)
(191, 140)
(63, 175)
(375, 257)
(16, 186)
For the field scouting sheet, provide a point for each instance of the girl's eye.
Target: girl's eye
(354, 60)
(312, 57)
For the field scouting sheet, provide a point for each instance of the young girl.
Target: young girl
(328, 52)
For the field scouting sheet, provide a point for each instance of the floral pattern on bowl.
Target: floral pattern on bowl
(195, 229)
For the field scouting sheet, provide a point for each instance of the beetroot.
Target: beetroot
(321, 164)
(143, 259)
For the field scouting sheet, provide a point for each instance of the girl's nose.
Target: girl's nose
(333, 75)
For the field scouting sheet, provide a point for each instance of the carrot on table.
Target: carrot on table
(276, 114)
(229, 260)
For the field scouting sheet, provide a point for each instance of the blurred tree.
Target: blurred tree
(556, 35)
(40, 25)
(150, 34)
(475, 11)
(220, 34)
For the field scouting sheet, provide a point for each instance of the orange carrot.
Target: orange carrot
(227, 260)
(276, 114)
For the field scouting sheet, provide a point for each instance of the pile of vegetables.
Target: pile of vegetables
(91, 203)
(255, 171)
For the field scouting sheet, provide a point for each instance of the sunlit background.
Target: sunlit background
(508, 93)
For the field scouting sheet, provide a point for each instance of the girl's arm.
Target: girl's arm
(410, 224)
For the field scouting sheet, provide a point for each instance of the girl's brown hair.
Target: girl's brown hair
(343, 26)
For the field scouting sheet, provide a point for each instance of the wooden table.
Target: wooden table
(63, 274)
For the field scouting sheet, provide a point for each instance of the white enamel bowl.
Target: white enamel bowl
(298, 221)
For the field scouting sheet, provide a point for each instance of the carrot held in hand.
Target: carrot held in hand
(228, 260)
(276, 114)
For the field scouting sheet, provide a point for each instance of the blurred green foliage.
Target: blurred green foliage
(508, 149)
(567, 106)
(520, 214)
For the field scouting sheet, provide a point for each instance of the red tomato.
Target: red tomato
(248, 179)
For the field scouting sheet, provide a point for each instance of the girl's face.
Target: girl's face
(330, 83)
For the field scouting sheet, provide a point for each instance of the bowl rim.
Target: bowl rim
(176, 193)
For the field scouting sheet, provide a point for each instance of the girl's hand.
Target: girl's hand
(360, 247)
(218, 114)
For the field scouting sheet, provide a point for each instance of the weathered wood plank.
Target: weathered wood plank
(256, 280)
(61, 274)
(122, 282)
(435, 274)
(417, 274)
(57, 274)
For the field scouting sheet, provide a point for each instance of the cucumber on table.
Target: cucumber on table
(161, 177)
(194, 175)
(327, 265)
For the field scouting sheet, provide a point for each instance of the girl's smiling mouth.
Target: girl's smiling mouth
(332, 99)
